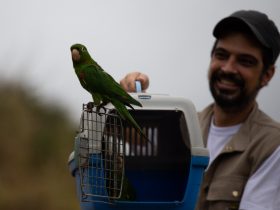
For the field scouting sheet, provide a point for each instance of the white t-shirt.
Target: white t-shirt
(262, 191)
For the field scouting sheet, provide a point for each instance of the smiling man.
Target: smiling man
(243, 142)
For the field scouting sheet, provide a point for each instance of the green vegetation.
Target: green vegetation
(36, 140)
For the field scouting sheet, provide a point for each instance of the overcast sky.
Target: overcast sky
(170, 40)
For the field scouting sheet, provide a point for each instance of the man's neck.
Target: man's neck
(229, 117)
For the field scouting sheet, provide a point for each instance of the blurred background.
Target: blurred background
(36, 140)
(41, 97)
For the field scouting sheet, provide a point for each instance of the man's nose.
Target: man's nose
(229, 65)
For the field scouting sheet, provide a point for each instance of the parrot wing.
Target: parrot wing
(119, 93)
(124, 113)
(100, 83)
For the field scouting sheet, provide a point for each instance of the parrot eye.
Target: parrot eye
(83, 49)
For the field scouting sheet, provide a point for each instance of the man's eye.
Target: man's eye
(220, 55)
(248, 62)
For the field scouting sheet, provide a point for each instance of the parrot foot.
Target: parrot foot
(98, 108)
(90, 106)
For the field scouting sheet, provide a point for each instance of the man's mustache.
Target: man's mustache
(222, 75)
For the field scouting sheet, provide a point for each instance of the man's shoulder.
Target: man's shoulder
(262, 130)
(262, 120)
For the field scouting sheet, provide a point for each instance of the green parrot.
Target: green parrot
(103, 88)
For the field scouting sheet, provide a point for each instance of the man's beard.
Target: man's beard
(228, 99)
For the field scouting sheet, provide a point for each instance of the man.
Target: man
(243, 142)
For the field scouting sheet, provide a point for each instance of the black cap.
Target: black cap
(258, 23)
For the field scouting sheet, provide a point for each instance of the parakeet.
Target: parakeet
(102, 86)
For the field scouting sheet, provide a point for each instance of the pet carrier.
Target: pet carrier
(116, 168)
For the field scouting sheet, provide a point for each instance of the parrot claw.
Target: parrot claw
(100, 112)
(90, 106)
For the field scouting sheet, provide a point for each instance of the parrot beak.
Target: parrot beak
(75, 55)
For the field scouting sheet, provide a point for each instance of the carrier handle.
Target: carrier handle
(138, 87)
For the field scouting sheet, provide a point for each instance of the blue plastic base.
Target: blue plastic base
(156, 190)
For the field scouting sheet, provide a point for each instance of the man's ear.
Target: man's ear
(267, 75)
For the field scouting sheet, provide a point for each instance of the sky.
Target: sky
(169, 40)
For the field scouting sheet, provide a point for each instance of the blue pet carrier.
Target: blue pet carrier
(116, 168)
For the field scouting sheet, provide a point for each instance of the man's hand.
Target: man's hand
(128, 82)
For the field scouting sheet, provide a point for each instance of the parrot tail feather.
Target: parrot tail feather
(125, 115)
